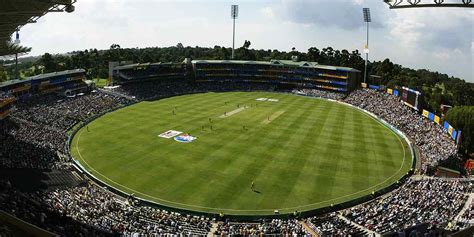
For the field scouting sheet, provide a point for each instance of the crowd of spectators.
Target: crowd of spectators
(62, 113)
(433, 142)
(277, 227)
(4, 96)
(36, 133)
(28, 145)
(107, 211)
(30, 207)
(156, 89)
(332, 225)
(431, 200)
(468, 215)
(320, 94)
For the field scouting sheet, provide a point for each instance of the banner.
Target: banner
(436, 119)
(364, 85)
(446, 126)
(431, 116)
(425, 113)
(458, 140)
(390, 91)
(454, 135)
(450, 130)
(395, 92)
(374, 87)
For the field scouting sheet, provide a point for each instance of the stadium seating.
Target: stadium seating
(283, 73)
(64, 82)
(5, 105)
(35, 135)
(333, 225)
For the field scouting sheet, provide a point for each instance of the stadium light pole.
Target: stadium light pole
(234, 14)
(17, 42)
(367, 19)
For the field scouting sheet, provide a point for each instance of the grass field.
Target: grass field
(302, 153)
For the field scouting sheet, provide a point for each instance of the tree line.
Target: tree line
(437, 88)
(462, 118)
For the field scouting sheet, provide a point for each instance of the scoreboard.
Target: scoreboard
(411, 98)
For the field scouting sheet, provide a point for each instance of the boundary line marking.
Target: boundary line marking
(181, 205)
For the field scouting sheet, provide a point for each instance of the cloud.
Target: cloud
(334, 13)
(436, 39)
(268, 12)
(433, 29)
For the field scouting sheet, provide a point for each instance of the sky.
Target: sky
(437, 39)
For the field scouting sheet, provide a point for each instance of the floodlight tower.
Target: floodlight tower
(367, 20)
(234, 14)
(17, 42)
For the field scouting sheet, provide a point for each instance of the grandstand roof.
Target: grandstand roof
(130, 66)
(282, 63)
(16, 13)
(41, 76)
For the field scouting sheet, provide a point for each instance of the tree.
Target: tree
(49, 63)
(146, 57)
(437, 88)
(462, 118)
(243, 53)
(115, 48)
(246, 44)
(3, 74)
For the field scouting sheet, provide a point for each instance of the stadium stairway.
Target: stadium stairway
(194, 230)
(309, 229)
(213, 230)
(62, 178)
(187, 227)
(466, 207)
(362, 228)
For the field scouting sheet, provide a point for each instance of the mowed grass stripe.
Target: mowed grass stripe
(255, 159)
(193, 182)
(286, 167)
(360, 152)
(300, 161)
(312, 155)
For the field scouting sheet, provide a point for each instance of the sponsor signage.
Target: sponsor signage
(185, 138)
(169, 134)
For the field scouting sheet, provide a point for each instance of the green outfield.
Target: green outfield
(301, 153)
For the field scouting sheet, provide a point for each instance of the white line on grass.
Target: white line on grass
(241, 210)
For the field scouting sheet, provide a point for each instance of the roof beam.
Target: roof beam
(399, 4)
(433, 5)
(16, 13)
(27, 13)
